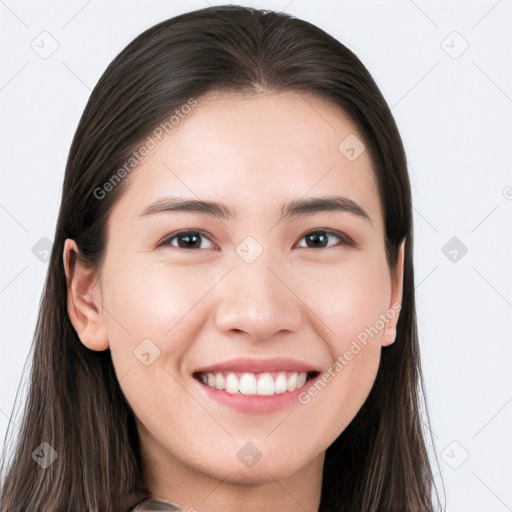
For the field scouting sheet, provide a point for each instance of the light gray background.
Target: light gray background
(454, 111)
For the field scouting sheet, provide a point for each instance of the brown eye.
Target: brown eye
(186, 240)
(320, 239)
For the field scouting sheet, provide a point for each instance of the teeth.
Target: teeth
(301, 380)
(291, 383)
(247, 384)
(265, 384)
(280, 383)
(254, 383)
(220, 381)
(232, 385)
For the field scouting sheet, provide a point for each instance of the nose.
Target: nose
(258, 299)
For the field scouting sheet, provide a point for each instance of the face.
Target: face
(252, 301)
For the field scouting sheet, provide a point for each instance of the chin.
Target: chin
(261, 472)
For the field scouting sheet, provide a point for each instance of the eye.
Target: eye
(191, 240)
(319, 238)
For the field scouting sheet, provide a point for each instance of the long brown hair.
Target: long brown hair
(380, 462)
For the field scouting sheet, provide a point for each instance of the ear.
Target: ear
(393, 312)
(84, 299)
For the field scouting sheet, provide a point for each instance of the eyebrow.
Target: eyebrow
(294, 208)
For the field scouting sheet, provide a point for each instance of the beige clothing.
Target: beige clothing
(155, 505)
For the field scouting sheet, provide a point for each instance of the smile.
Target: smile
(261, 383)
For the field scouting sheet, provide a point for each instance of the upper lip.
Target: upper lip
(257, 365)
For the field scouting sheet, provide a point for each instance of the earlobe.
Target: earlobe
(393, 312)
(84, 308)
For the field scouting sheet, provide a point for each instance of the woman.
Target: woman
(228, 321)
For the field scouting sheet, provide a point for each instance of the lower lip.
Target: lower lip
(257, 404)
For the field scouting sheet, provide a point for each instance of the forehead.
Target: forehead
(251, 151)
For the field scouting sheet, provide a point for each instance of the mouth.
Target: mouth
(257, 383)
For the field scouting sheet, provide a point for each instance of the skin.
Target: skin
(205, 305)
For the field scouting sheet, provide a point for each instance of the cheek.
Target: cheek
(350, 303)
(150, 301)
(349, 298)
(158, 303)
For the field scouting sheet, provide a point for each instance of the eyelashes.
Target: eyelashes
(325, 234)
(192, 239)
(191, 235)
